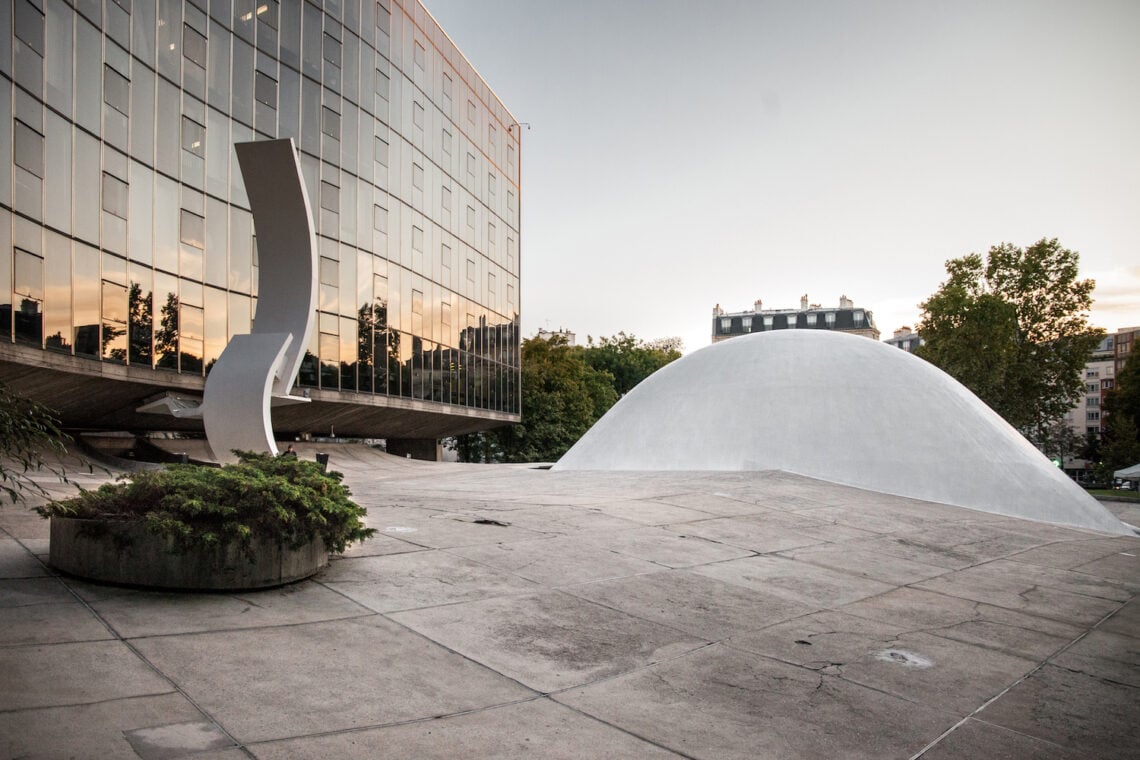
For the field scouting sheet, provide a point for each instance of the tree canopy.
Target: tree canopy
(629, 359)
(1121, 415)
(1013, 328)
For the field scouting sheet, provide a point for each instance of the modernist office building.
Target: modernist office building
(127, 256)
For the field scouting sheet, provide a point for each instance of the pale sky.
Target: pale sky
(685, 154)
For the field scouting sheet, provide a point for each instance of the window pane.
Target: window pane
(193, 137)
(115, 196)
(29, 149)
(192, 229)
(265, 90)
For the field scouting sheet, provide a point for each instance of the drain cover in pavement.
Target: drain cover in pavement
(176, 740)
(902, 657)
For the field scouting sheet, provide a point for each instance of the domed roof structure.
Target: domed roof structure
(839, 408)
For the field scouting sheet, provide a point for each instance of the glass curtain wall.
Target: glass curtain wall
(126, 233)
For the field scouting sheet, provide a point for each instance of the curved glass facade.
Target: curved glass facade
(125, 234)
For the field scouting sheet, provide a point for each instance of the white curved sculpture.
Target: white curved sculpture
(840, 408)
(256, 371)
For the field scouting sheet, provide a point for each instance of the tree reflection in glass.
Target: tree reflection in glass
(166, 336)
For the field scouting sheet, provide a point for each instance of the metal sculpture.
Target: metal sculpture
(256, 371)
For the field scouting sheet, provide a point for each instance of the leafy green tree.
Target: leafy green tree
(29, 438)
(1060, 440)
(1013, 328)
(1091, 449)
(1124, 398)
(1121, 415)
(629, 359)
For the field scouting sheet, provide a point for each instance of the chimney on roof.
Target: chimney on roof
(758, 305)
(846, 303)
(904, 330)
(717, 311)
(803, 302)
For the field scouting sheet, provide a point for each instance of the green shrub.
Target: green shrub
(262, 496)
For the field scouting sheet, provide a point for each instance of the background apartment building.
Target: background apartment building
(843, 318)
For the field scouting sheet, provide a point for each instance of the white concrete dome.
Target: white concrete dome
(840, 408)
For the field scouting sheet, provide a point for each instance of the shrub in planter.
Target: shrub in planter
(235, 510)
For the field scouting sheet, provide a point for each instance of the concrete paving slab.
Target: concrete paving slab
(50, 624)
(549, 641)
(1077, 581)
(557, 561)
(717, 503)
(70, 674)
(795, 581)
(37, 546)
(438, 530)
(134, 613)
(89, 731)
(559, 519)
(293, 680)
(1122, 566)
(971, 622)
(940, 673)
(793, 499)
(665, 547)
(1042, 706)
(955, 546)
(1068, 555)
(1049, 533)
(21, 522)
(866, 513)
(321, 677)
(751, 535)
(723, 703)
(422, 579)
(23, 591)
(1013, 588)
(1125, 621)
(17, 562)
(976, 739)
(1111, 656)
(536, 728)
(867, 564)
(810, 524)
(650, 512)
(704, 607)
(378, 546)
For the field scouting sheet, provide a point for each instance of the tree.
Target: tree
(28, 433)
(1013, 328)
(1091, 449)
(1121, 416)
(1059, 440)
(1124, 398)
(629, 359)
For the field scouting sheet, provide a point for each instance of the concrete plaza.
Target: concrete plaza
(503, 611)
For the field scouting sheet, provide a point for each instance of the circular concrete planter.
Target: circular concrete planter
(117, 551)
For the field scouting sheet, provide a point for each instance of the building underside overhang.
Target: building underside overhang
(93, 395)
